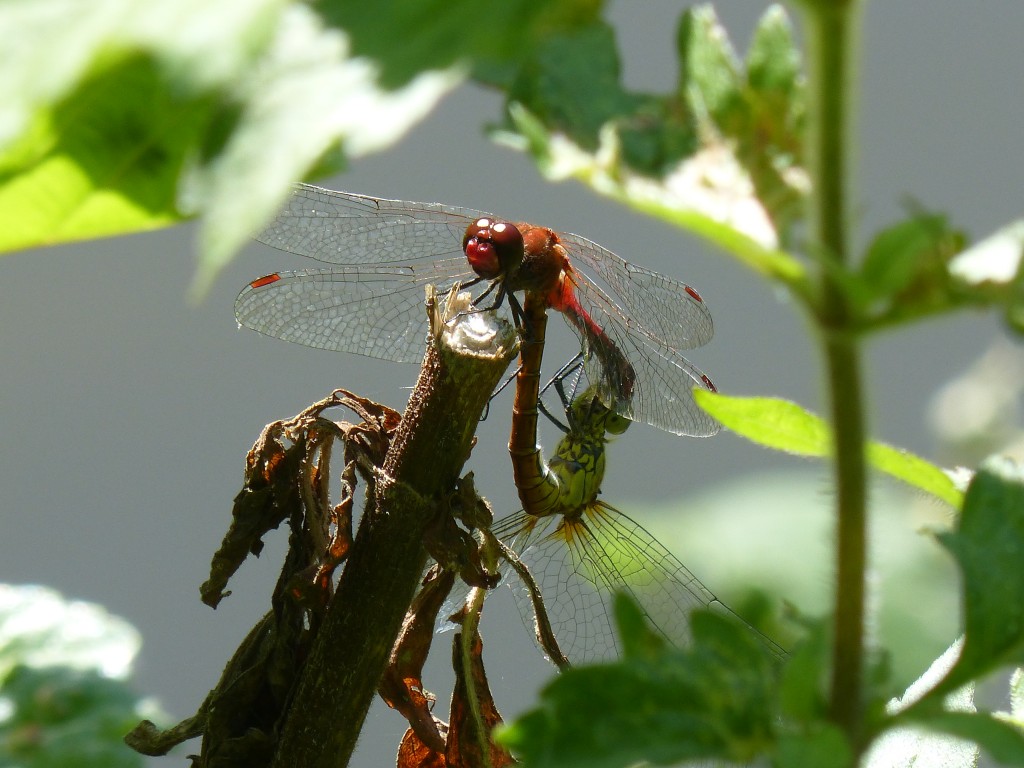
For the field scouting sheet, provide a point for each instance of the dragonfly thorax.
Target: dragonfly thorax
(544, 263)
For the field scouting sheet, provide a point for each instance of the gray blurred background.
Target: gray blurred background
(127, 411)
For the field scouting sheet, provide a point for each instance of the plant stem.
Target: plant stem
(359, 629)
(832, 30)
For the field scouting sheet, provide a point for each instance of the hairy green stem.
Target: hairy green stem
(832, 30)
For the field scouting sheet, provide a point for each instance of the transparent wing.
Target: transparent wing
(344, 228)
(662, 392)
(372, 311)
(667, 310)
(580, 565)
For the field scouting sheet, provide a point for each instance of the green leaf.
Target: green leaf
(773, 60)
(638, 638)
(103, 161)
(785, 426)
(659, 705)
(559, 159)
(718, 156)
(915, 471)
(822, 747)
(801, 689)
(987, 545)
(572, 83)
(121, 115)
(407, 37)
(895, 254)
(306, 96)
(904, 274)
(67, 717)
(709, 77)
(62, 672)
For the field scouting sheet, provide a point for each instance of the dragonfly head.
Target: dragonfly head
(589, 414)
(493, 248)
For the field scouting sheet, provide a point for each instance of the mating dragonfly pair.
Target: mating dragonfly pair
(580, 549)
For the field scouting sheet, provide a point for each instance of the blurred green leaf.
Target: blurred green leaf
(103, 161)
(639, 640)
(718, 156)
(904, 274)
(306, 96)
(894, 255)
(709, 71)
(571, 83)
(661, 705)
(62, 674)
(785, 426)
(802, 687)
(823, 747)
(121, 115)
(406, 37)
(987, 545)
(67, 717)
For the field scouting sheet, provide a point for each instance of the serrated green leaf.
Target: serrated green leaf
(785, 426)
(987, 545)
(663, 706)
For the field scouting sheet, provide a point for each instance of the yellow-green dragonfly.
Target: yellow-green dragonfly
(580, 550)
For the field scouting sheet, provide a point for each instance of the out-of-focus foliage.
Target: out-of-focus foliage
(64, 695)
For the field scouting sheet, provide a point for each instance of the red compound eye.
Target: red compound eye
(492, 247)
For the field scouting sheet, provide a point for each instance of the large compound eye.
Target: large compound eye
(616, 424)
(493, 248)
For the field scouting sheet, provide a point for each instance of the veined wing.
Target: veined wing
(667, 310)
(372, 311)
(580, 565)
(662, 390)
(345, 228)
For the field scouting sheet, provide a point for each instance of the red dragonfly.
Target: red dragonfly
(631, 330)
